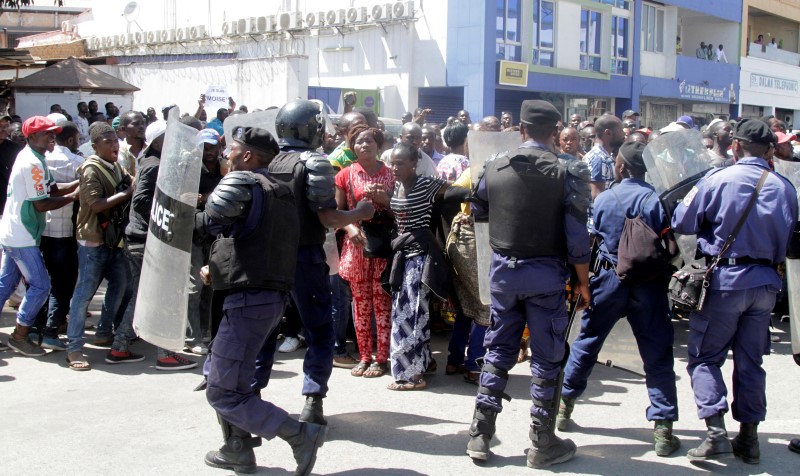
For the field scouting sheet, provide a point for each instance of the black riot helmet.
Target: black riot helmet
(299, 123)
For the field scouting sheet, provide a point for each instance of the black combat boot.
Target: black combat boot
(305, 439)
(237, 452)
(546, 448)
(665, 442)
(716, 445)
(312, 411)
(745, 445)
(481, 432)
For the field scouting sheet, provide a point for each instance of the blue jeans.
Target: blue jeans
(341, 312)
(94, 264)
(27, 262)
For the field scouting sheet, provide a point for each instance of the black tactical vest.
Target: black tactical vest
(266, 258)
(288, 169)
(526, 204)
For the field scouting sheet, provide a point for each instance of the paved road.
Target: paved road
(132, 419)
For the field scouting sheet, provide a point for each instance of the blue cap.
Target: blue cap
(210, 136)
(686, 120)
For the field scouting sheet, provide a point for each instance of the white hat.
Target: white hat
(154, 130)
(58, 118)
(672, 127)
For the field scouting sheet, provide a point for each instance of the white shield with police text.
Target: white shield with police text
(675, 162)
(482, 146)
(162, 300)
(791, 170)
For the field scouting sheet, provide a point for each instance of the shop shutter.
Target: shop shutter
(444, 102)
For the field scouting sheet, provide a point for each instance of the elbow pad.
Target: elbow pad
(320, 184)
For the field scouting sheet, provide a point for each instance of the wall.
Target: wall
(469, 34)
(38, 104)
(753, 93)
(708, 29)
(782, 9)
(774, 27)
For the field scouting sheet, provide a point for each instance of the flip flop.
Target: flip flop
(376, 370)
(79, 363)
(407, 385)
(472, 377)
(358, 370)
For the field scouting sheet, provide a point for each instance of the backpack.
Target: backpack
(643, 255)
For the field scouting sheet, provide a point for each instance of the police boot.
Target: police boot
(716, 445)
(565, 413)
(666, 442)
(305, 439)
(237, 452)
(480, 433)
(312, 411)
(745, 445)
(546, 448)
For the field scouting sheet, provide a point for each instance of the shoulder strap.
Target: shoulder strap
(113, 181)
(732, 237)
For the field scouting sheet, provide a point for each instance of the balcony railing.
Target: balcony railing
(773, 54)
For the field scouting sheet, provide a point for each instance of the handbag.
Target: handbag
(688, 286)
(378, 231)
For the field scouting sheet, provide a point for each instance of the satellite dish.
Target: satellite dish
(131, 12)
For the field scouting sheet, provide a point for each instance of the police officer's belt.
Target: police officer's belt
(742, 260)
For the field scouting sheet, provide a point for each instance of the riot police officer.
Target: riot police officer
(644, 301)
(537, 212)
(253, 260)
(310, 176)
(741, 295)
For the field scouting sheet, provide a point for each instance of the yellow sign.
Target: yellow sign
(513, 73)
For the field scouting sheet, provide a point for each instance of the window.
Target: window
(616, 3)
(619, 45)
(652, 29)
(509, 45)
(543, 34)
(591, 34)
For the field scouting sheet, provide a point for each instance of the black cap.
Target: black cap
(534, 111)
(632, 154)
(754, 130)
(256, 138)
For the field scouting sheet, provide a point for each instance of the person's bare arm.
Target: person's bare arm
(108, 203)
(54, 203)
(60, 190)
(597, 189)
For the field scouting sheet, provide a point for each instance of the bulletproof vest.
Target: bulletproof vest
(266, 257)
(288, 169)
(526, 204)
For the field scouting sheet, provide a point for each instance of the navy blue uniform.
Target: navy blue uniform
(645, 305)
(529, 291)
(249, 316)
(736, 312)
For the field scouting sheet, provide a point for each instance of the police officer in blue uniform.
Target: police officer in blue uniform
(537, 212)
(736, 313)
(644, 303)
(310, 176)
(253, 261)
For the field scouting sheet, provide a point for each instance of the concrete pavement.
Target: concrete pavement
(134, 420)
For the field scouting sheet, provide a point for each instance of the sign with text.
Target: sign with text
(705, 92)
(513, 73)
(774, 84)
(216, 98)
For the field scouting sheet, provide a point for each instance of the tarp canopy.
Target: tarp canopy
(73, 74)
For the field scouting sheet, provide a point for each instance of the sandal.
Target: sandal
(78, 363)
(407, 385)
(472, 377)
(453, 369)
(358, 370)
(376, 370)
(431, 367)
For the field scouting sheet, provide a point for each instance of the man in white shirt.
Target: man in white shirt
(721, 58)
(58, 245)
(31, 193)
(82, 122)
(411, 133)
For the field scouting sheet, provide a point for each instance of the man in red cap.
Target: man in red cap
(31, 193)
(783, 148)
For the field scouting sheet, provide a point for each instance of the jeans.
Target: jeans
(458, 339)
(341, 312)
(27, 262)
(199, 312)
(94, 264)
(475, 349)
(61, 259)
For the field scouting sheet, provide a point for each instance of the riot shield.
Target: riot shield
(260, 119)
(620, 350)
(482, 145)
(791, 170)
(675, 163)
(163, 297)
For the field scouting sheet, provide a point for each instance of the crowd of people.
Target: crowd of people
(398, 218)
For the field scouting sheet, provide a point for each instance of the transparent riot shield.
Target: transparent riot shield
(483, 145)
(260, 119)
(675, 163)
(163, 296)
(791, 170)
